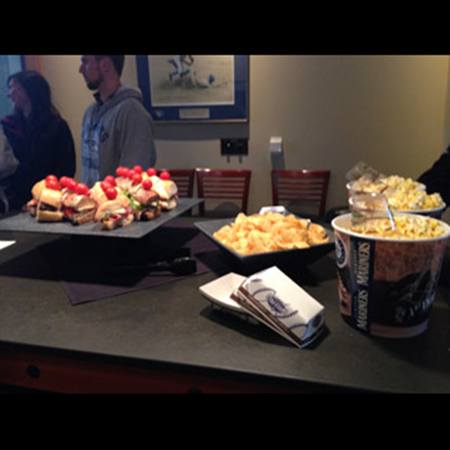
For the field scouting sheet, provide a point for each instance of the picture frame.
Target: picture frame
(194, 88)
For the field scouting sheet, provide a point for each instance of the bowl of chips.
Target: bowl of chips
(388, 272)
(258, 241)
(404, 195)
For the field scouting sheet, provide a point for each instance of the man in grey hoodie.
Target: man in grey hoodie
(117, 130)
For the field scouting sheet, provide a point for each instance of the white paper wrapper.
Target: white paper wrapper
(280, 303)
(273, 299)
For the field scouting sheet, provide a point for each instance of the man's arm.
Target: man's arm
(437, 178)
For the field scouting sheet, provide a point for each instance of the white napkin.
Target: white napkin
(4, 244)
(274, 300)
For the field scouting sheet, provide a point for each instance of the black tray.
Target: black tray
(25, 222)
(283, 258)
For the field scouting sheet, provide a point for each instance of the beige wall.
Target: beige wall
(332, 111)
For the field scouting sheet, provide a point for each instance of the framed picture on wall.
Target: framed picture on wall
(194, 88)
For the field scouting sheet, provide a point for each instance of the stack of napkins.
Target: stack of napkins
(275, 300)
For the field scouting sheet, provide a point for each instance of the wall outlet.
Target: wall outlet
(233, 147)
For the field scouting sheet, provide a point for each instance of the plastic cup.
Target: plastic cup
(386, 286)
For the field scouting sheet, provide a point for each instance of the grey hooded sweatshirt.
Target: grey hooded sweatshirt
(118, 132)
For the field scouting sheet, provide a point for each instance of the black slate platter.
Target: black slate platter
(24, 222)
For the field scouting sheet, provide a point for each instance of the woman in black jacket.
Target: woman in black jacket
(39, 136)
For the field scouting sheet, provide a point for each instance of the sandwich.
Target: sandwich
(124, 178)
(105, 190)
(115, 213)
(36, 191)
(144, 201)
(167, 191)
(98, 194)
(78, 207)
(46, 204)
(151, 174)
(49, 207)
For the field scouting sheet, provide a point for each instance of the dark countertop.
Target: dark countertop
(173, 324)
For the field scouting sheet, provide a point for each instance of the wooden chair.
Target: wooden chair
(223, 184)
(184, 179)
(307, 189)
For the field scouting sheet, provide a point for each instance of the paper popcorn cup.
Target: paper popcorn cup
(387, 286)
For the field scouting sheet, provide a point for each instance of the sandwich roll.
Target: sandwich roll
(50, 198)
(31, 207)
(44, 199)
(124, 183)
(165, 188)
(144, 202)
(144, 196)
(168, 204)
(167, 191)
(98, 194)
(45, 215)
(78, 202)
(114, 213)
(37, 189)
(78, 208)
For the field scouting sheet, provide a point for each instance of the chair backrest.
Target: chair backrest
(307, 187)
(223, 184)
(184, 179)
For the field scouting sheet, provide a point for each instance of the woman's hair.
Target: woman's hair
(39, 93)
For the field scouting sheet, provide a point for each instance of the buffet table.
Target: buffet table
(168, 338)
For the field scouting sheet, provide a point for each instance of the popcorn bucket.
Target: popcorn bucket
(386, 286)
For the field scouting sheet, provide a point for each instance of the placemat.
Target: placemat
(86, 267)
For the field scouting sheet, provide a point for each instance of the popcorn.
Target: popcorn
(403, 194)
(407, 227)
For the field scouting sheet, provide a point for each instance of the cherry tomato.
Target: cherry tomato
(52, 183)
(164, 175)
(111, 193)
(63, 181)
(137, 178)
(138, 168)
(81, 189)
(151, 172)
(147, 184)
(111, 180)
(131, 174)
(121, 171)
(105, 185)
(71, 184)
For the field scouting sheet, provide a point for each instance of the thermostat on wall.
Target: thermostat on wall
(276, 152)
(276, 144)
